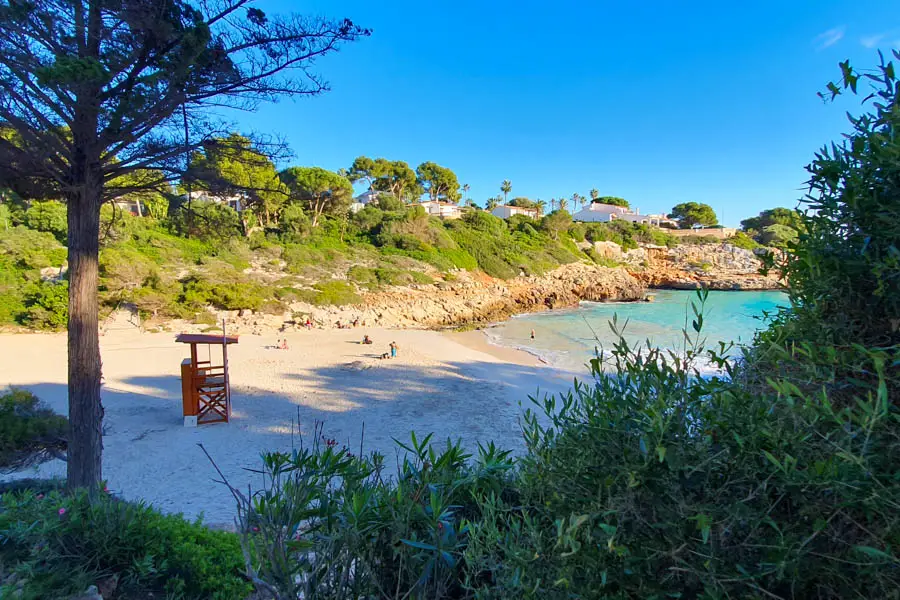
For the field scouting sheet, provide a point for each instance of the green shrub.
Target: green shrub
(742, 240)
(208, 221)
(338, 293)
(385, 276)
(842, 272)
(29, 432)
(46, 305)
(328, 524)
(61, 545)
(49, 217)
(653, 481)
(202, 291)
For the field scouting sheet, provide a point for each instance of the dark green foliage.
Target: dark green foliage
(24, 297)
(655, 482)
(46, 305)
(294, 221)
(614, 200)
(522, 202)
(50, 217)
(28, 430)
(331, 525)
(388, 202)
(742, 240)
(843, 270)
(628, 235)
(775, 216)
(61, 545)
(556, 223)
(689, 214)
(779, 236)
(208, 221)
(386, 276)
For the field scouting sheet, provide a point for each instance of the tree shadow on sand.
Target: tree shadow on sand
(365, 404)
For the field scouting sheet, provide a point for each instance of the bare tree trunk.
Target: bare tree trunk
(85, 444)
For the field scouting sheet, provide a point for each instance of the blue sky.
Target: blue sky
(652, 101)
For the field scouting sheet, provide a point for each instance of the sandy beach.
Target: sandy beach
(455, 385)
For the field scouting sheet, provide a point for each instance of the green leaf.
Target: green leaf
(661, 453)
(875, 553)
(420, 545)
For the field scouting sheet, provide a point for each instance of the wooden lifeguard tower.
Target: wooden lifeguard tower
(205, 388)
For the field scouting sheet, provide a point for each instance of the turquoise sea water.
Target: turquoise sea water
(564, 338)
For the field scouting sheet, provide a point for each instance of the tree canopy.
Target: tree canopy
(232, 166)
(94, 90)
(614, 200)
(774, 216)
(440, 183)
(689, 214)
(522, 202)
(318, 190)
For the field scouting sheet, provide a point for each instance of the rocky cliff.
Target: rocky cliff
(476, 300)
(689, 267)
(473, 298)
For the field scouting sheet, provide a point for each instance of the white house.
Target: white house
(506, 211)
(368, 197)
(131, 206)
(365, 199)
(235, 201)
(444, 210)
(597, 212)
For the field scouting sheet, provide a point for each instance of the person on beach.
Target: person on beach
(366, 339)
(532, 334)
(393, 349)
(308, 323)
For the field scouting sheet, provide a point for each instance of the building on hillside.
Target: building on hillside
(235, 201)
(655, 220)
(130, 206)
(506, 211)
(444, 210)
(368, 197)
(597, 212)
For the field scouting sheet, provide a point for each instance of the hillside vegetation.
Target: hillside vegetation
(179, 266)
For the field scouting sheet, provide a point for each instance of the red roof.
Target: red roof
(205, 338)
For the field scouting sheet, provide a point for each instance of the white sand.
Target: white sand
(436, 384)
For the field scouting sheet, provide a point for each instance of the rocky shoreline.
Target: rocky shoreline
(472, 299)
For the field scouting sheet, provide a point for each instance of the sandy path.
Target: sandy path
(435, 385)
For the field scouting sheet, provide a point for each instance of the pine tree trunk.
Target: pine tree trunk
(85, 442)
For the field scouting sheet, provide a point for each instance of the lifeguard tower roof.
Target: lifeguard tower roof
(205, 338)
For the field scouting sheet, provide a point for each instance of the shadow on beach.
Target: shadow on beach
(364, 404)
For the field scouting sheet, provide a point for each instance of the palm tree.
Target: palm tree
(594, 194)
(506, 188)
(552, 204)
(540, 205)
(563, 204)
(492, 204)
(466, 192)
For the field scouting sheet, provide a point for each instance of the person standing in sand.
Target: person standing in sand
(393, 349)
(532, 334)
